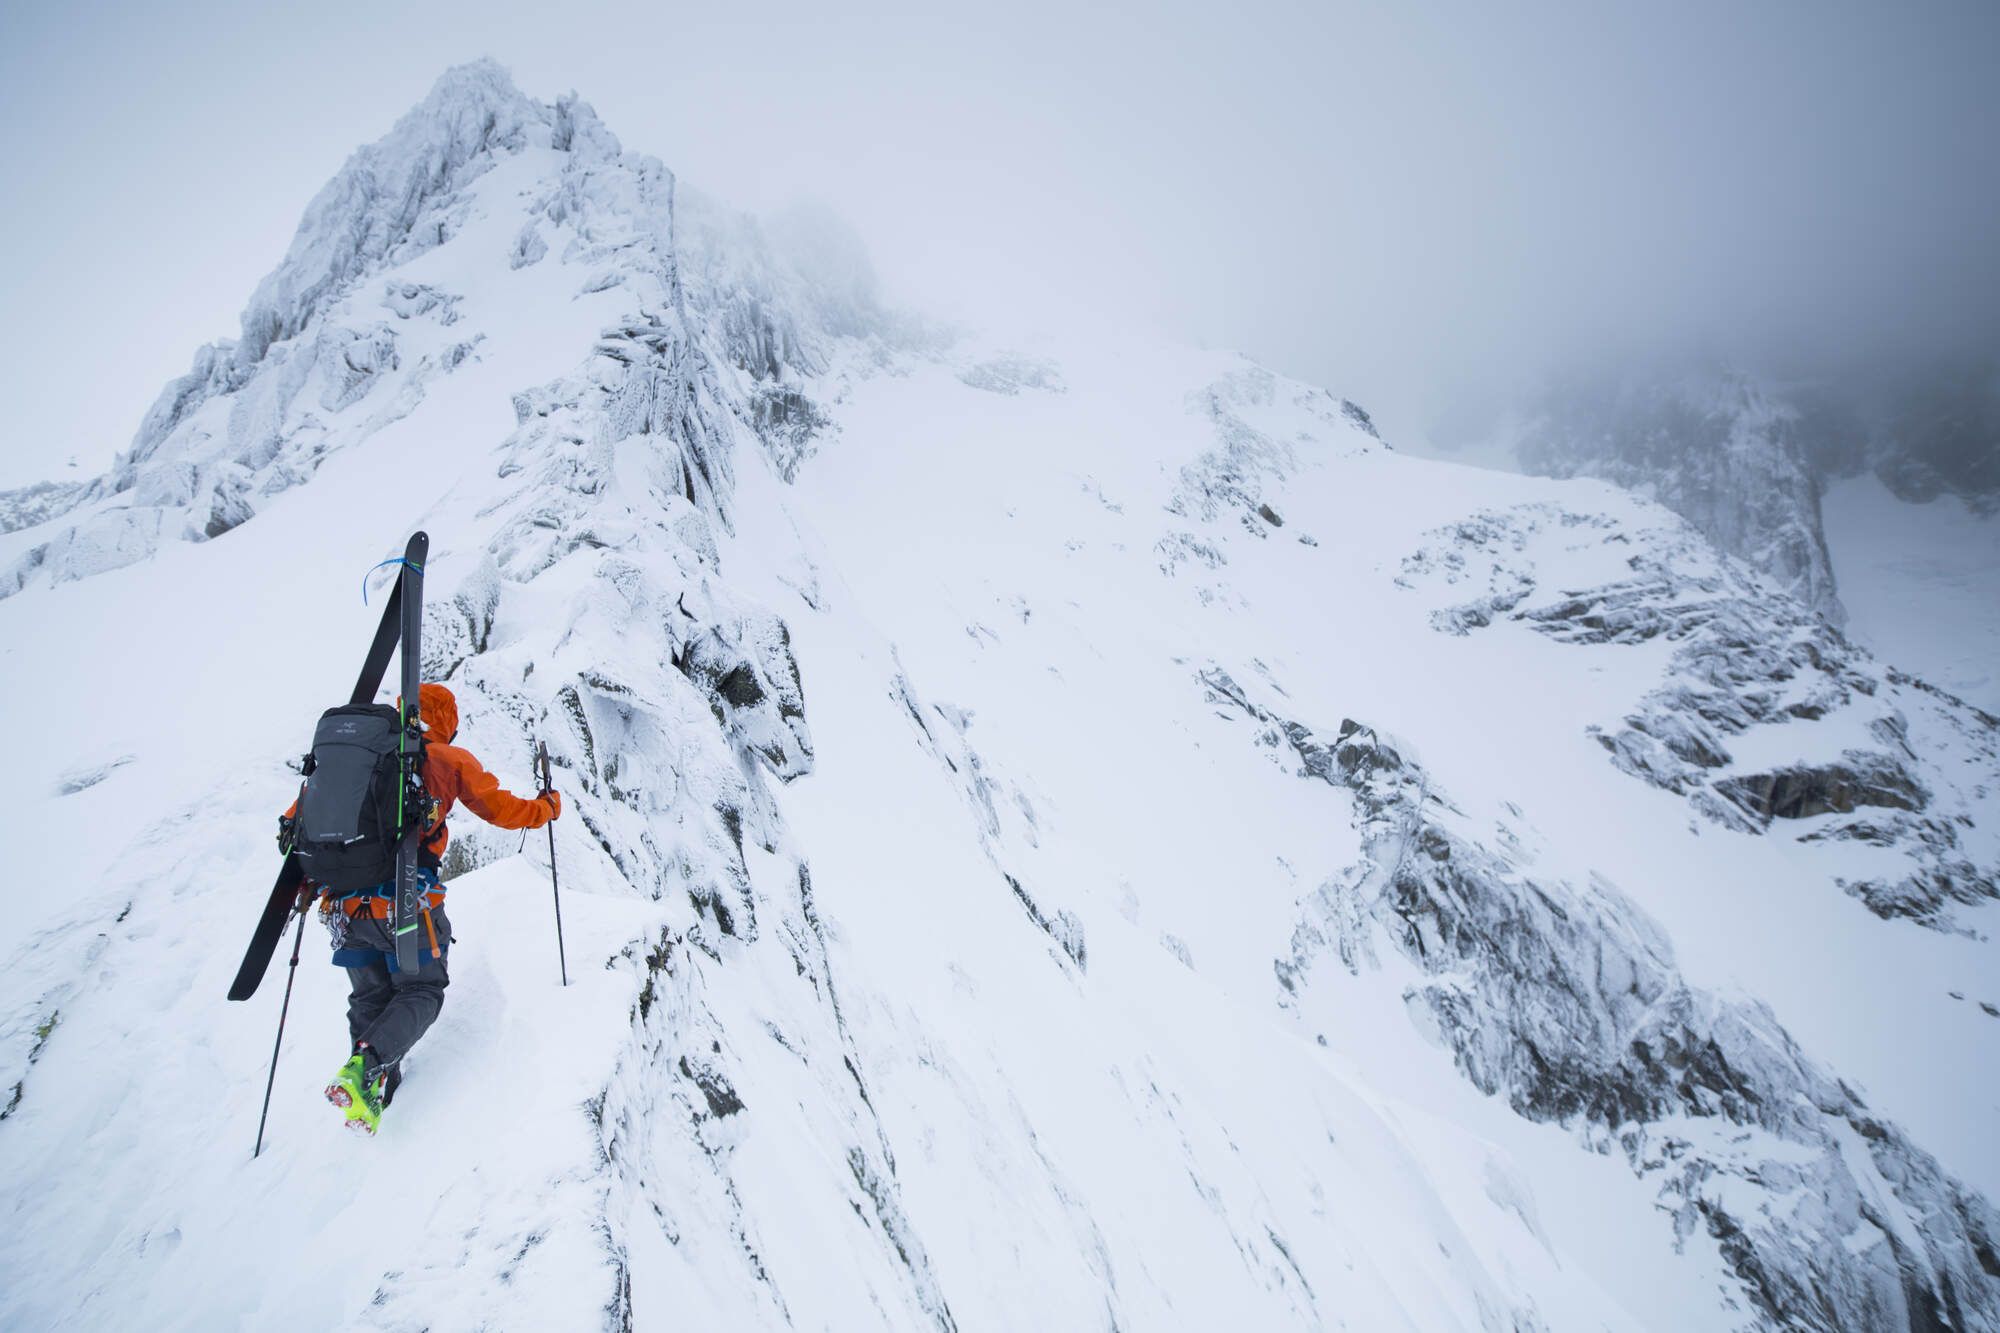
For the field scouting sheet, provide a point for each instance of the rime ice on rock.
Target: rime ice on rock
(1747, 667)
(1568, 1002)
(1718, 450)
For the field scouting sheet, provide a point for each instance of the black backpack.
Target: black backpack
(354, 807)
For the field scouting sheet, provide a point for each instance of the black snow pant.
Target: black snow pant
(391, 1010)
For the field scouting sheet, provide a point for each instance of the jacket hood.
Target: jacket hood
(439, 711)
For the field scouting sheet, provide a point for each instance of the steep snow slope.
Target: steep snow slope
(1076, 836)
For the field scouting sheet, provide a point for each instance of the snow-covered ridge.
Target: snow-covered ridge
(951, 929)
(330, 354)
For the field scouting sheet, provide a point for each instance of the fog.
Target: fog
(1418, 205)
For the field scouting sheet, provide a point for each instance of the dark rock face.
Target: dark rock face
(790, 423)
(1360, 418)
(1833, 789)
(1567, 1002)
(752, 683)
(715, 1088)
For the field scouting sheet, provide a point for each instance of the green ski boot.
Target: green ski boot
(358, 1095)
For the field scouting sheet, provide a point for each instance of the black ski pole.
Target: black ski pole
(283, 1010)
(555, 887)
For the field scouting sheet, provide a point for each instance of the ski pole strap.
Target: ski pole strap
(413, 567)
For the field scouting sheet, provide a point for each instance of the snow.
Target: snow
(1921, 582)
(474, 1199)
(948, 948)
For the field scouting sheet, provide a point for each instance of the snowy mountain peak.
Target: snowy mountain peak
(368, 216)
(332, 351)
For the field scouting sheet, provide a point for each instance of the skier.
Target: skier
(388, 1010)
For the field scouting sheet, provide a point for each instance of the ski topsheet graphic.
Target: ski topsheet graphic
(399, 616)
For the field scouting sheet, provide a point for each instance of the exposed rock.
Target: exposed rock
(751, 680)
(410, 300)
(1712, 446)
(353, 360)
(1744, 661)
(790, 423)
(1567, 1002)
(1803, 792)
(1361, 420)
(529, 247)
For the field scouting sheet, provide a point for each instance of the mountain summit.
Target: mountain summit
(1077, 835)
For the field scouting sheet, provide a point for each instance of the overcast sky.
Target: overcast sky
(1406, 202)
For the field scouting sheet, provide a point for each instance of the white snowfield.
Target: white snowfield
(1077, 836)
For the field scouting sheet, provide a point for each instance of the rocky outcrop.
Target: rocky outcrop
(1803, 791)
(1744, 668)
(1714, 447)
(1240, 477)
(1567, 1002)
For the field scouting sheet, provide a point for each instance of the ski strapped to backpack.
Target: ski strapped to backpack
(404, 605)
(407, 909)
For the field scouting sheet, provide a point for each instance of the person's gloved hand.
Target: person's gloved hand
(553, 800)
(308, 895)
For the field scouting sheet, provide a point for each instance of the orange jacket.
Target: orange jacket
(453, 775)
